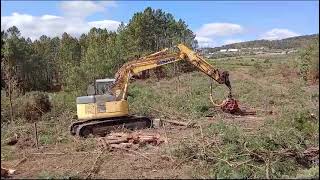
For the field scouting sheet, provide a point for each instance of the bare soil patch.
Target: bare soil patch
(64, 160)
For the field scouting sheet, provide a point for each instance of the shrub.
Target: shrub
(32, 105)
(266, 61)
(309, 62)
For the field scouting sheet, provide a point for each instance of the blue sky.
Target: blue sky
(214, 22)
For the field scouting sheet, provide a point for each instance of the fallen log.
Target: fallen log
(117, 141)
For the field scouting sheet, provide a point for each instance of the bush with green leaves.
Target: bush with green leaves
(309, 62)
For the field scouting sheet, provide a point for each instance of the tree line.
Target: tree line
(71, 63)
(288, 43)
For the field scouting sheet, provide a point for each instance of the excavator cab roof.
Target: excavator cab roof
(105, 80)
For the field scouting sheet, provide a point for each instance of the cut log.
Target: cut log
(127, 140)
(117, 141)
(119, 134)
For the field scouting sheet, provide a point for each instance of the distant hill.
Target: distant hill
(288, 43)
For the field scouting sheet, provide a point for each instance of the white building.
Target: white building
(223, 50)
(233, 50)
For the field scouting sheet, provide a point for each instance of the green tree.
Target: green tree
(68, 59)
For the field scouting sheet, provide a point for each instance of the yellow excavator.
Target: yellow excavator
(106, 107)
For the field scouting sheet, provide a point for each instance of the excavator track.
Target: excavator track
(102, 127)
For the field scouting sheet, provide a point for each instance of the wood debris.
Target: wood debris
(6, 172)
(13, 140)
(179, 123)
(129, 140)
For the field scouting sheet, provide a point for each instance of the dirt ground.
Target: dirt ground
(62, 161)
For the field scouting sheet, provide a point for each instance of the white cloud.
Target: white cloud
(108, 24)
(219, 29)
(231, 41)
(84, 8)
(275, 34)
(72, 22)
(205, 41)
(208, 33)
(49, 17)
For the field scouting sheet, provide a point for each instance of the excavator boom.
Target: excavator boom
(99, 113)
(161, 58)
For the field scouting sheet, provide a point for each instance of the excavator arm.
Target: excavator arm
(120, 86)
(222, 77)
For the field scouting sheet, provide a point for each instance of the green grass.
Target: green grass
(267, 83)
(232, 155)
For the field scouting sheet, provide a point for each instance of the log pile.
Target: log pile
(128, 140)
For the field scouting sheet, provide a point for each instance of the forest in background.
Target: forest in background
(69, 63)
(297, 42)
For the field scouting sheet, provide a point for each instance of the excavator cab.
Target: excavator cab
(99, 103)
(100, 112)
(100, 87)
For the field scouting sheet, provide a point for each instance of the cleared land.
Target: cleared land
(225, 145)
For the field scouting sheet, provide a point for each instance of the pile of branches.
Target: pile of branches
(229, 152)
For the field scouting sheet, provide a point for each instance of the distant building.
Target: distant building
(233, 50)
(223, 50)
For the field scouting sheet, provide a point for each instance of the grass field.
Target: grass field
(271, 144)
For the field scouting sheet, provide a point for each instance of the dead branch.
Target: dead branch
(36, 135)
(188, 124)
(267, 169)
(61, 153)
(242, 163)
(231, 165)
(251, 152)
(94, 167)
(20, 162)
(187, 159)
(168, 146)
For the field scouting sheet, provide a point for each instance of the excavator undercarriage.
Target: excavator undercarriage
(101, 127)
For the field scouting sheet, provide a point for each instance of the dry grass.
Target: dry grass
(224, 147)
